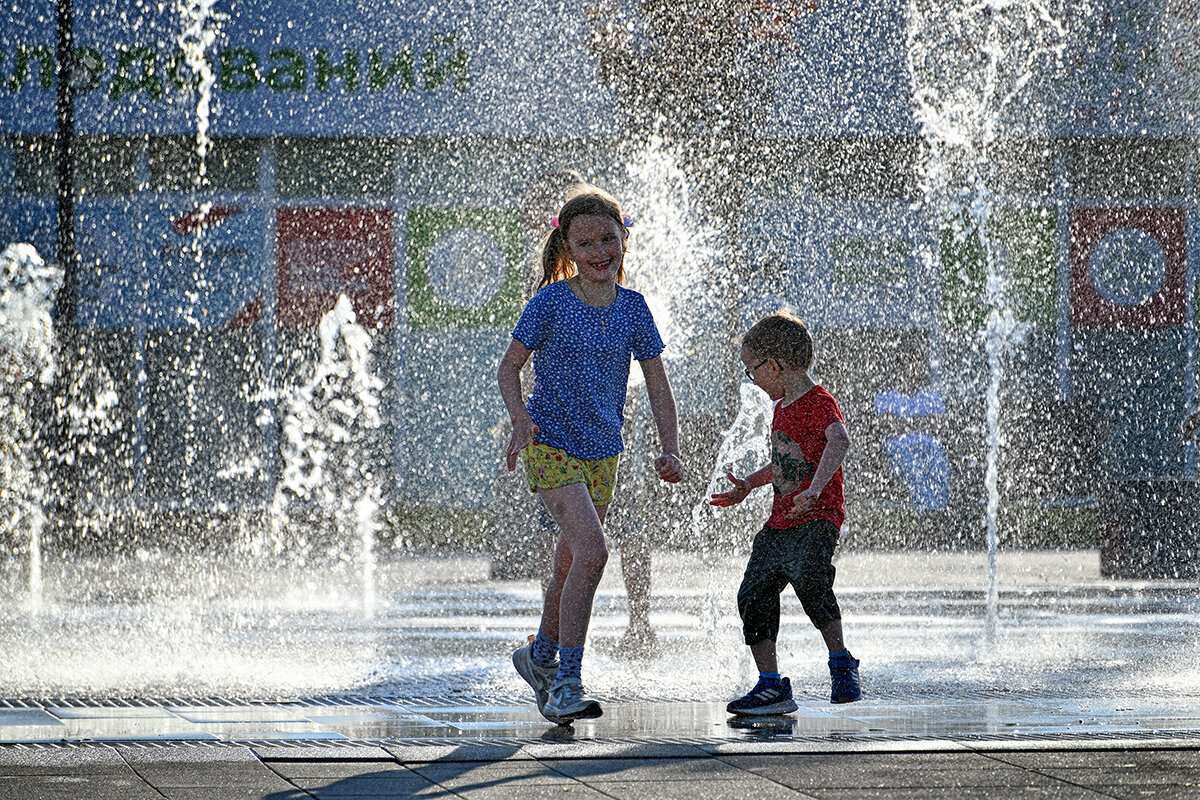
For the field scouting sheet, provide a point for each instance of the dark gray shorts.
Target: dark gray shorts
(800, 556)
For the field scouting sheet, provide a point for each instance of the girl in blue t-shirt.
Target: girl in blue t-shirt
(581, 328)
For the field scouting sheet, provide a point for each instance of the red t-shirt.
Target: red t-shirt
(797, 442)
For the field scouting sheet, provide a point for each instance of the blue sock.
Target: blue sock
(570, 662)
(843, 654)
(544, 650)
(770, 676)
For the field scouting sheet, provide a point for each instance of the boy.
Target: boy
(808, 442)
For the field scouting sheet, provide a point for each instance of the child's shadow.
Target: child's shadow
(467, 769)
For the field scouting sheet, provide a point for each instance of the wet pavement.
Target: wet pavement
(351, 720)
(1077, 687)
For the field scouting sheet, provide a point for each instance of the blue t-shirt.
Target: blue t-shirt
(581, 365)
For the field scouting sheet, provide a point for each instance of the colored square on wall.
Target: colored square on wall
(1026, 241)
(862, 261)
(327, 252)
(1128, 267)
(463, 267)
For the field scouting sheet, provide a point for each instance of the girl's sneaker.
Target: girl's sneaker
(843, 673)
(539, 678)
(567, 703)
(769, 696)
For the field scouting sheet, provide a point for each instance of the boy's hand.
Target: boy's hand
(739, 492)
(802, 502)
(669, 468)
(521, 438)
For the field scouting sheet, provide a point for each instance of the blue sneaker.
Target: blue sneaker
(769, 696)
(843, 672)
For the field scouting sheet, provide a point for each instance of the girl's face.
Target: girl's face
(596, 243)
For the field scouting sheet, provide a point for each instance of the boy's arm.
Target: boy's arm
(742, 486)
(669, 465)
(837, 444)
(508, 376)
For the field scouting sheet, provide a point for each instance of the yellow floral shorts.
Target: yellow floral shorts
(550, 468)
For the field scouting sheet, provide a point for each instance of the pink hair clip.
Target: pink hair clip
(554, 222)
(627, 221)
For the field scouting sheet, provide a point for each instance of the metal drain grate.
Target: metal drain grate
(1174, 739)
(905, 695)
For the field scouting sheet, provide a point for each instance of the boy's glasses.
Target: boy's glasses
(750, 372)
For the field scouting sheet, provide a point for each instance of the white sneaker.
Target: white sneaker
(567, 702)
(539, 678)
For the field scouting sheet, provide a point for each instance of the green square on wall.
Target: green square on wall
(464, 267)
(1029, 237)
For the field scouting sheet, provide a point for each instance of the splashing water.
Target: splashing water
(327, 424)
(672, 252)
(744, 447)
(27, 288)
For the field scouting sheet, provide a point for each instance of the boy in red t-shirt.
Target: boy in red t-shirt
(808, 443)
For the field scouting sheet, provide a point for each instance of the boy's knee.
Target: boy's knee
(758, 626)
(760, 616)
(821, 606)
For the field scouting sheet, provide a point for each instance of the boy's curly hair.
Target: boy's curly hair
(783, 337)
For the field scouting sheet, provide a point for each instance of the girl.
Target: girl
(582, 327)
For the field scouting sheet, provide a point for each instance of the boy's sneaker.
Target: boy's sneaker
(538, 677)
(843, 673)
(769, 696)
(568, 703)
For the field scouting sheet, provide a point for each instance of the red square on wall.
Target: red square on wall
(1128, 267)
(326, 252)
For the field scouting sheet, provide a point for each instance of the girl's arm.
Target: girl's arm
(666, 418)
(508, 375)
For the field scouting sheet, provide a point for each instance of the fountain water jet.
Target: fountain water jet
(27, 355)
(327, 422)
(960, 103)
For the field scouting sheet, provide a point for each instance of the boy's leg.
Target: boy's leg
(811, 571)
(758, 605)
(758, 594)
(832, 633)
(765, 656)
(813, 575)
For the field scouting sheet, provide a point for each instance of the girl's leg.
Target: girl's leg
(579, 562)
(552, 597)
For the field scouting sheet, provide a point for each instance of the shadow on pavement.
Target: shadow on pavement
(465, 770)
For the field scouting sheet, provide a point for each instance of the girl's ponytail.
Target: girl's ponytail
(556, 265)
